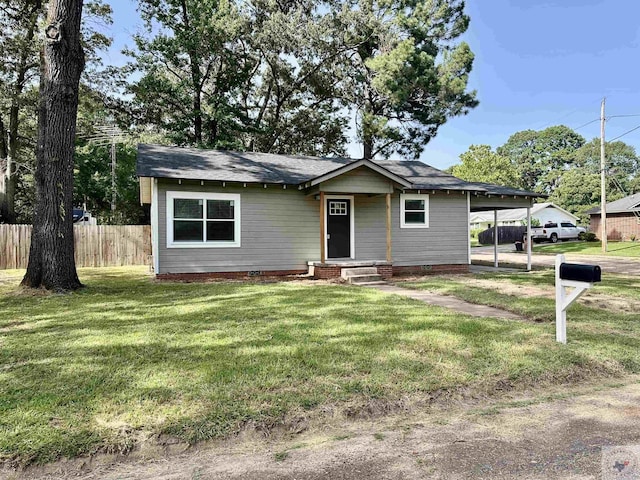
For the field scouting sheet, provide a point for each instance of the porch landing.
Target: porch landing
(333, 268)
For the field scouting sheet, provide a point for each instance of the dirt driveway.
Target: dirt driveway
(556, 434)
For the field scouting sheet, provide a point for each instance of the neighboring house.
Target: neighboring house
(623, 219)
(542, 212)
(220, 213)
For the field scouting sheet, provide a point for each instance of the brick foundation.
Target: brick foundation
(385, 271)
(620, 226)
(328, 271)
(200, 277)
(430, 269)
(321, 272)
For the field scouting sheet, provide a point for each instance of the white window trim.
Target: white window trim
(172, 195)
(414, 196)
(352, 227)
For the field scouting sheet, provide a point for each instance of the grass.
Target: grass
(128, 357)
(605, 334)
(616, 249)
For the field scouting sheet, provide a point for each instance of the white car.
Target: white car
(552, 232)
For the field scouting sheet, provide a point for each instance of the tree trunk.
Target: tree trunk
(196, 79)
(51, 258)
(3, 173)
(367, 145)
(11, 180)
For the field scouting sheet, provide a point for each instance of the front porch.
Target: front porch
(334, 268)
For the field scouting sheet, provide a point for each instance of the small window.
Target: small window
(203, 219)
(337, 208)
(414, 211)
(567, 224)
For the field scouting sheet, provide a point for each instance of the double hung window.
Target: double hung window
(203, 219)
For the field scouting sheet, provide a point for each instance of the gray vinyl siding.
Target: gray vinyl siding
(370, 225)
(360, 180)
(444, 242)
(279, 231)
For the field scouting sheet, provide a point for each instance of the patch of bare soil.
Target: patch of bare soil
(590, 298)
(540, 433)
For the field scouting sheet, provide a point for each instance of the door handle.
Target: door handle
(328, 236)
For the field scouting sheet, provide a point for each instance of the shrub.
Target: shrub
(590, 236)
(475, 232)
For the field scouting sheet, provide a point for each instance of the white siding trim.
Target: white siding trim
(171, 195)
(414, 196)
(352, 224)
(155, 234)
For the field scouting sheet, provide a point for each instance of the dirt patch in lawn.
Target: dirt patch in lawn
(540, 434)
(590, 299)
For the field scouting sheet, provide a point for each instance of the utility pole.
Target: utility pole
(603, 184)
(109, 136)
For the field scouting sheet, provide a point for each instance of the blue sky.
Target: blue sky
(537, 63)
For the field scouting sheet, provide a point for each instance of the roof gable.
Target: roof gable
(517, 214)
(357, 164)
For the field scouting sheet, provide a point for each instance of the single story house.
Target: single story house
(542, 212)
(230, 214)
(623, 219)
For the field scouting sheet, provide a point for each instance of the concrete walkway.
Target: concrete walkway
(449, 302)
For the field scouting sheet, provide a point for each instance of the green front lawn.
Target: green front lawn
(617, 249)
(128, 357)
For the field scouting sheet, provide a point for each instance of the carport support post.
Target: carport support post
(323, 235)
(561, 313)
(495, 238)
(528, 239)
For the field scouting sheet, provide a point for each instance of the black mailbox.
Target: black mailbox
(580, 272)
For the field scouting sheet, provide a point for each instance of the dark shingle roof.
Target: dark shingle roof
(250, 167)
(626, 204)
(197, 164)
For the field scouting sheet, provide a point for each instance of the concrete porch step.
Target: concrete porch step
(361, 279)
(350, 272)
(371, 284)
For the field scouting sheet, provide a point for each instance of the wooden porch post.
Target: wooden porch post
(495, 238)
(528, 239)
(322, 226)
(388, 201)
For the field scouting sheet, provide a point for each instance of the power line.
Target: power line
(588, 123)
(628, 131)
(559, 119)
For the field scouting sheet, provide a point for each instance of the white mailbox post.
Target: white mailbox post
(580, 278)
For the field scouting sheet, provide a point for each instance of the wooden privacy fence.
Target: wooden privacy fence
(96, 245)
(506, 234)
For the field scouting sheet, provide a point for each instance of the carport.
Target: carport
(495, 197)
